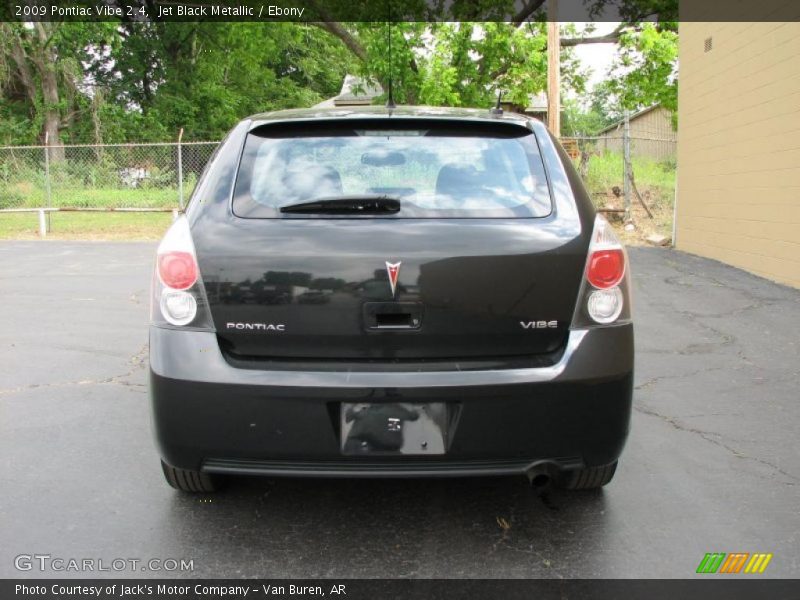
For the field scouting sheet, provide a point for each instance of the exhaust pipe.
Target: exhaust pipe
(539, 475)
(539, 481)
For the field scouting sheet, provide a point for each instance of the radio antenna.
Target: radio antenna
(498, 109)
(390, 99)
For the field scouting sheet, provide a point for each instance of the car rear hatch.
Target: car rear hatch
(475, 264)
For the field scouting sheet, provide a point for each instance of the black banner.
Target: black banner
(397, 589)
(515, 11)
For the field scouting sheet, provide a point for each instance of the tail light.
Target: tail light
(604, 297)
(177, 270)
(178, 296)
(606, 267)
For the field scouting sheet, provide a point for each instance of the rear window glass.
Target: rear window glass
(435, 171)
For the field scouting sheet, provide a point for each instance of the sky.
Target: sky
(598, 57)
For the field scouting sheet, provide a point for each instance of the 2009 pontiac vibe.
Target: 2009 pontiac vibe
(390, 292)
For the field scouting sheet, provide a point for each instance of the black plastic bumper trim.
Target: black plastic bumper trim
(348, 469)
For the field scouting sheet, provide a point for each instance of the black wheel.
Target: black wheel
(189, 481)
(588, 478)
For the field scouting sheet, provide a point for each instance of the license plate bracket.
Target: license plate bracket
(393, 428)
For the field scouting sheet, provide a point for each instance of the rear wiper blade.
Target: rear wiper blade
(364, 204)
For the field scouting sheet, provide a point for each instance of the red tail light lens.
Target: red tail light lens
(177, 270)
(606, 268)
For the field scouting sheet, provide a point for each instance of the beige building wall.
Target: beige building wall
(738, 197)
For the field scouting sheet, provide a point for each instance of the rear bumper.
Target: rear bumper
(211, 416)
(384, 469)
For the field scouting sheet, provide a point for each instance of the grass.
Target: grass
(21, 195)
(655, 181)
(86, 226)
(115, 197)
(657, 177)
(25, 189)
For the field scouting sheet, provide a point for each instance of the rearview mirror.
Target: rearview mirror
(383, 158)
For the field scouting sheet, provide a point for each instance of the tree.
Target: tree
(40, 75)
(205, 77)
(465, 63)
(583, 122)
(645, 71)
(456, 64)
(110, 82)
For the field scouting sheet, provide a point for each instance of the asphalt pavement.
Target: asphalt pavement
(712, 463)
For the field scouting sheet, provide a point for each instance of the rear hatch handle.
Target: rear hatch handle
(392, 315)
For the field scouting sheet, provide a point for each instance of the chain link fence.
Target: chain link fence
(161, 176)
(651, 166)
(101, 177)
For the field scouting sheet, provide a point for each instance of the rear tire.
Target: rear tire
(189, 481)
(588, 478)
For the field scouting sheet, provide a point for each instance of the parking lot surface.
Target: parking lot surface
(712, 463)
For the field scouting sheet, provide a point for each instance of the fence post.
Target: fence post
(180, 170)
(46, 181)
(42, 224)
(626, 174)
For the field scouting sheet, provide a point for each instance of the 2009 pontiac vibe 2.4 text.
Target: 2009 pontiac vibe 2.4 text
(390, 292)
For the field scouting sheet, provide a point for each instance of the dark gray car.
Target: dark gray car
(390, 293)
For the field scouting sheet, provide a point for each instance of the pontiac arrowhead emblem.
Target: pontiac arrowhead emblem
(393, 269)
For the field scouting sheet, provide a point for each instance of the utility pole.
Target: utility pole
(553, 69)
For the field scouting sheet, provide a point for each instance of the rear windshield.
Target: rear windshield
(435, 171)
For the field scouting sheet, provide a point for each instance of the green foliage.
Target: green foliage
(42, 72)
(15, 127)
(656, 177)
(459, 64)
(94, 182)
(645, 71)
(83, 226)
(406, 41)
(10, 197)
(144, 81)
(579, 122)
(119, 82)
(205, 77)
